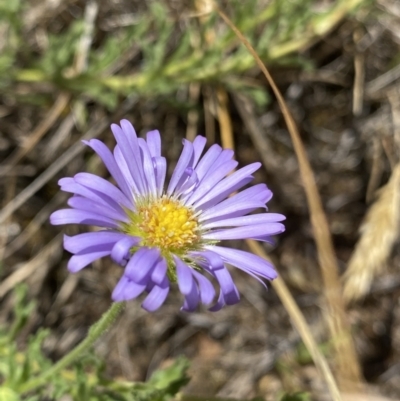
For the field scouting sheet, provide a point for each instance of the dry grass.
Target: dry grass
(253, 338)
(348, 369)
(379, 232)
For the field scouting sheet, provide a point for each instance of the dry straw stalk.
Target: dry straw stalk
(347, 366)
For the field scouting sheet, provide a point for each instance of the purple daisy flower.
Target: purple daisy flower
(163, 235)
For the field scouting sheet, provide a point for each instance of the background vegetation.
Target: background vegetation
(68, 69)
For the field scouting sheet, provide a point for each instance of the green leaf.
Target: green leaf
(171, 379)
(7, 394)
(300, 396)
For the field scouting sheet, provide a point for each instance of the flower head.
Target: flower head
(163, 235)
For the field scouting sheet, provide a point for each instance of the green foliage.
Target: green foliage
(84, 381)
(296, 397)
(61, 50)
(174, 55)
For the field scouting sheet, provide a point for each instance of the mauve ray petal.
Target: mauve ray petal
(185, 159)
(206, 289)
(96, 196)
(74, 216)
(229, 183)
(192, 299)
(259, 218)
(239, 208)
(141, 264)
(207, 160)
(199, 144)
(224, 194)
(78, 262)
(246, 261)
(159, 272)
(126, 290)
(157, 296)
(185, 277)
(80, 242)
(148, 168)
(129, 148)
(80, 203)
(154, 143)
(160, 165)
(100, 184)
(226, 155)
(211, 180)
(245, 232)
(121, 250)
(219, 304)
(109, 161)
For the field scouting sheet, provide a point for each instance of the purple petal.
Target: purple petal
(127, 289)
(160, 166)
(185, 159)
(206, 289)
(220, 303)
(127, 142)
(73, 216)
(121, 250)
(259, 218)
(123, 166)
(185, 277)
(223, 195)
(264, 238)
(246, 261)
(209, 182)
(245, 232)
(225, 156)
(157, 296)
(232, 209)
(78, 262)
(207, 160)
(154, 143)
(69, 185)
(258, 192)
(159, 273)
(148, 168)
(191, 299)
(217, 268)
(190, 182)
(109, 161)
(99, 184)
(199, 144)
(228, 185)
(211, 259)
(80, 203)
(80, 242)
(141, 264)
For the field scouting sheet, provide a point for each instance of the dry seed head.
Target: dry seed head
(379, 232)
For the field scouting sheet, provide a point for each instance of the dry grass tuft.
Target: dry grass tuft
(379, 232)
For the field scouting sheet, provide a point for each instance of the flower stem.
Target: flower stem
(95, 332)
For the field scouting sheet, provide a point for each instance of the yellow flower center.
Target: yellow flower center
(165, 223)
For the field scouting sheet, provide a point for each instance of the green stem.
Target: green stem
(96, 331)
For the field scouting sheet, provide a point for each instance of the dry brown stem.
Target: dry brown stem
(348, 369)
(301, 325)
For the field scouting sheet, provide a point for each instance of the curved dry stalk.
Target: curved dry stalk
(279, 285)
(348, 368)
(301, 325)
